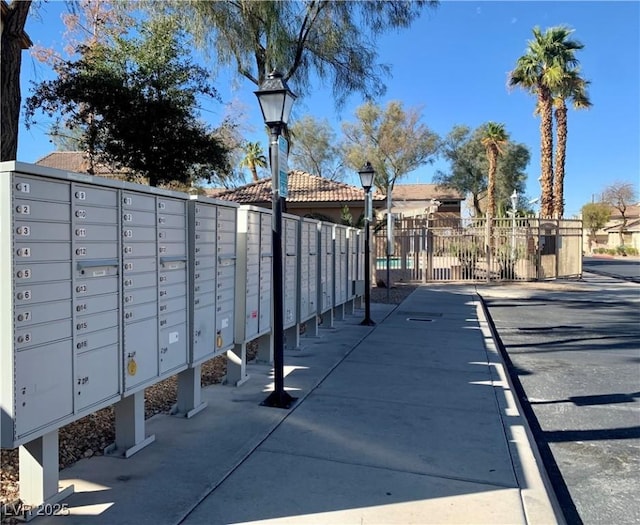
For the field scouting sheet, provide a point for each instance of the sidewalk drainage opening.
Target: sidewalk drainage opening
(422, 319)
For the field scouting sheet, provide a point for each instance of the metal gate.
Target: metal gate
(520, 249)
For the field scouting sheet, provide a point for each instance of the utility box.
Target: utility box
(212, 275)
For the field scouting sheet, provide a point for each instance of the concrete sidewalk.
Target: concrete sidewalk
(410, 421)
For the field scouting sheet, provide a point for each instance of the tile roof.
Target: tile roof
(303, 187)
(78, 162)
(420, 192)
(633, 225)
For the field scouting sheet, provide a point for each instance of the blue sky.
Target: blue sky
(453, 64)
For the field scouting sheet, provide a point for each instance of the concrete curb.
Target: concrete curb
(539, 500)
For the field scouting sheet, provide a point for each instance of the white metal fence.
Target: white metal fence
(520, 249)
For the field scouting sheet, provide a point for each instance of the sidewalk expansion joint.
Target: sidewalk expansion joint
(463, 479)
(402, 402)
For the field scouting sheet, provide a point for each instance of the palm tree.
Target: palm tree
(494, 138)
(574, 88)
(253, 159)
(540, 70)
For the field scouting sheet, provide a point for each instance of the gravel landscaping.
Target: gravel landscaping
(90, 435)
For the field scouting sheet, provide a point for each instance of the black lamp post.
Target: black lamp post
(366, 179)
(276, 100)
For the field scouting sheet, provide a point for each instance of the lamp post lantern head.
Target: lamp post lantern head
(514, 199)
(433, 206)
(276, 100)
(367, 174)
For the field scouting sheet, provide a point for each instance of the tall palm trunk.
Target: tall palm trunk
(12, 44)
(561, 149)
(491, 183)
(254, 173)
(491, 194)
(546, 151)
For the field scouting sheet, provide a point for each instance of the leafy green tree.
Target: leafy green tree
(494, 138)
(392, 139)
(345, 216)
(595, 216)
(14, 41)
(469, 166)
(136, 103)
(87, 23)
(254, 158)
(573, 88)
(512, 176)
(315, 148)
(468, 163)
(540, 71)
(333, 40)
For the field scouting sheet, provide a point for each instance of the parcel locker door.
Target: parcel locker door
(313, 283)
(141, 351)
(43, 386)
(96, 377)
(264, 322)
(173, 347)
(204, 333)
(224, 324)
(252, 315)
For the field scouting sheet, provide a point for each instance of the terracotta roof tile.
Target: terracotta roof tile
(78, 162)
(420, 192)
(303, 187)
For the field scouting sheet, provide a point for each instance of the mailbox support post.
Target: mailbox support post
(237, 365)
(326, 319)
(39, 475)
(265, 348)
(129, 421)
(292, 337)
(189, 401)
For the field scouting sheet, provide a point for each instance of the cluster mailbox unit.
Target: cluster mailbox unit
(325, 273)
(290, 254)
(212, 277)
(253, 290)
(109, 287)
(340, 266)
(353, 277)
(308, 263)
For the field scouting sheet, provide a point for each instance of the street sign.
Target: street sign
(283, 167)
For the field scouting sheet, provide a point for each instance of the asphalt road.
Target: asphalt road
(574, 349)
(627, 268)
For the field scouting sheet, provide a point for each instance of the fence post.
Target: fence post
(487, 245)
